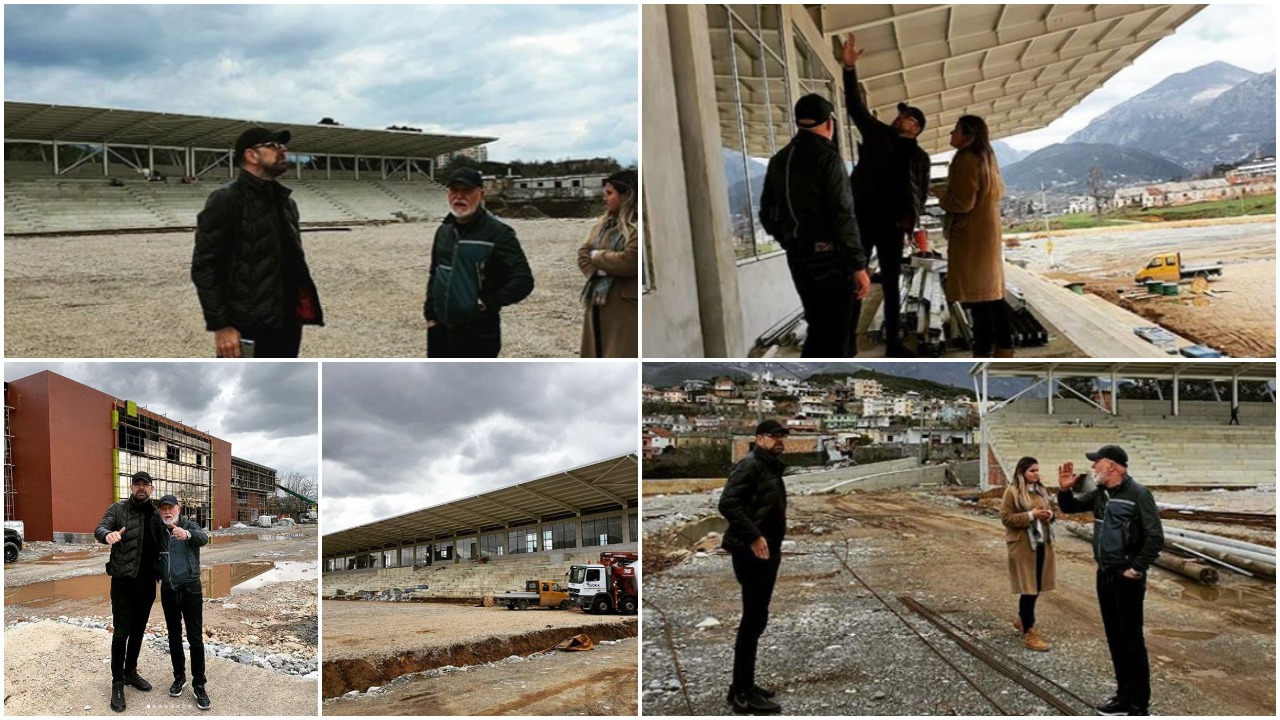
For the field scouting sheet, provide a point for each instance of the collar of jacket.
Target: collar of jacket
(481, 214)
(773, 462)
(143, 506)
(806, 136)
(258, 185)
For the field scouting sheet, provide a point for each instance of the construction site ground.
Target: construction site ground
(68, 297)
(260, 604)
(433, 635)
(835, 647)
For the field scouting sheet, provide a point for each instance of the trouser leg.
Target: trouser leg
(1130, 597)
(757, 578)
(1109, 604)
(142, 597)
(173, 625)
(192, 606)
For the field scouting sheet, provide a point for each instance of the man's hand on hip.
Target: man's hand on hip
(227, 342)
(760, 547)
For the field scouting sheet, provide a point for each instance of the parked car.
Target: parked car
(12, 544)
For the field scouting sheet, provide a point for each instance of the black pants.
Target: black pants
(991, 327)
(184, 605)
(131, 601)
(1027, 603)
(885, 237)
(757, 578)
(1121, 601)
(274, 342)
(827, 297)
(479, 339)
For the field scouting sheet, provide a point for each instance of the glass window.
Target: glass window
(602, 531)
(444, 551)
(466, 549)
(558, 536)
(491, 545)
(632, 525)
(524, 540)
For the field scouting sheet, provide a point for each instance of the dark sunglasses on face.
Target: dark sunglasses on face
(278, 147)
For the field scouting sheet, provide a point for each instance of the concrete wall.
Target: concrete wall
(29, 423)
(766, 294)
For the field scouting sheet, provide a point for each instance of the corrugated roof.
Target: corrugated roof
(611, 484)
(70, 123)
(1222, 370)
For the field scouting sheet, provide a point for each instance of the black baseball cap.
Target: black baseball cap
(257, 136)
(813, 110)
(1114, 453)
(914, 112)
(469, 177)
(141, 477)
(169, 500)
(772, 427)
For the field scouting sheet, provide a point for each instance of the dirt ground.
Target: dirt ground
(131, 295)
(833, 647)
(1241, 322)
(598, 682)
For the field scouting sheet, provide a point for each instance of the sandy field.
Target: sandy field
(1241, 322)
(132, 296)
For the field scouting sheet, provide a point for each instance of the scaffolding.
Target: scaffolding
(179, 461)
(254, 487)
(9, 496)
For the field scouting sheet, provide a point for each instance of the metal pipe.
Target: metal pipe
(1213, 560)
(1253, 562)
(1180, 566)
(1224, 542)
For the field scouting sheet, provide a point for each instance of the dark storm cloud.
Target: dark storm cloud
(419, 433)
(549, 81)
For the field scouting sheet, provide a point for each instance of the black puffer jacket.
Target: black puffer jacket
(806, 200)
(248, 265)
(891, 179)
(1127, 532)
(136, 518)
(477, 268)
(754, 501)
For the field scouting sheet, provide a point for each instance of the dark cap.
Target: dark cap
(624, 181)
(914, 112)
(772, 427)
(469, 177)
(1114, 453)
(257, 136)
(813, 110)
(169, 500)
(141, 476)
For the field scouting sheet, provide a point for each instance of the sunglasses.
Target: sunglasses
(278, 147)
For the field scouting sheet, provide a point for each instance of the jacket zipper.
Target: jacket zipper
(453, 268)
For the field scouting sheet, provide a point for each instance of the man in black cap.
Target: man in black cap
(754, 502)
(1127, 538)
(477, 268)
(890, 186)
(248, 265)
(806, 205)
(132, 528)
(181, 597)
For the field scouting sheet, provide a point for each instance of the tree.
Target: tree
(305, 485)
(1098, 188)
(329, 121)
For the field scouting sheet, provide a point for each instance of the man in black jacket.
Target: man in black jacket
(1127, 538)
(132, 528)
(806, 205)
(890, 186)
(477, 268)
(181, 597)
(754, 502)
(248, 265)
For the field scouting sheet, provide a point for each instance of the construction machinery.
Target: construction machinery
(1169, 268)
(537, 593)
(611, 586)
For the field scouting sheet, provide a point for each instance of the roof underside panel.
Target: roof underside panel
(68, 123)
(1189, 370)
(607, 485)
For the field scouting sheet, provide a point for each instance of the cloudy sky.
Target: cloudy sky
(266, 410)
(551, 81)
(1242, 35)
(403, 436)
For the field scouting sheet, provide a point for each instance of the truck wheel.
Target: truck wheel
(564, 604)
(601, 605)
(10, 552)
(628, 605)
(522, 605)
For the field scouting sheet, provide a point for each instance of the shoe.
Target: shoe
(1114, 706)
(1139, 711)
(136, 680)
(752, 703)
(202, 698)
(1032, 640)
(762, 692)
(176, 688)
(117, 696)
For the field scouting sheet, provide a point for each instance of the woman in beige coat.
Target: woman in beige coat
(609, 260)
(1028, 533)
(975, 255)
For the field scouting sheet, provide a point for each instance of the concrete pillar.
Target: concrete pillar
(1175, 394)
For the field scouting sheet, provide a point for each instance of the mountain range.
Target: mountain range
(667, 374)
(1064, 168)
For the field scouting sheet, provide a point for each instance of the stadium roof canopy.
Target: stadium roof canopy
(73, 124)
(611, 484)
(1223, 371)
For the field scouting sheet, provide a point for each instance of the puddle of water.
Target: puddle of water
(223, 539)
(66, 556)
(218, 581)
(1184, 634)
(1233, 597)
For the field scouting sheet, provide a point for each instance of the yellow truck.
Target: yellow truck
(537, 593)
(1169, 268)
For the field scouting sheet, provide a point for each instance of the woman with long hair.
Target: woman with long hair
(1028, 518)
(610, 261)
(975, 254)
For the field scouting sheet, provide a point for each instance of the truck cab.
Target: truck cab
(611, 586)
(1168, 267)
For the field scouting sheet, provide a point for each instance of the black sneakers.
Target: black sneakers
(117, 696)
(202, 698)
(762, 692)
(176, 688)
(1114, 706)
(753, 703)
(136, 680)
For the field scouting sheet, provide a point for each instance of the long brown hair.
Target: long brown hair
(625, 214)
(1022, 496)
(975, 129)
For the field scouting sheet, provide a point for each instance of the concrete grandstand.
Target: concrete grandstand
(491, 542)
(75, 169)
(1172, 443)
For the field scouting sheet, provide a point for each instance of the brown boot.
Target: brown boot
(1032, 640)
(1003, 353)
